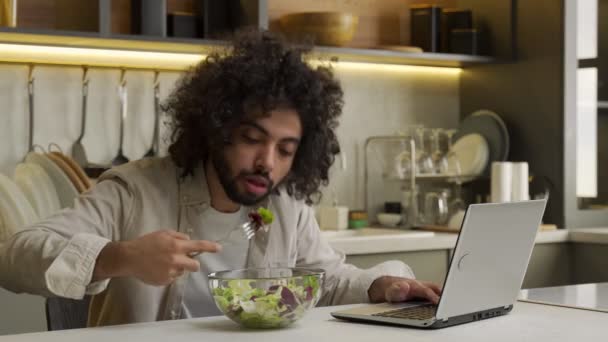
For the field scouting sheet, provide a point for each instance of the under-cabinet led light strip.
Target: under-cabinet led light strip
(114, 58)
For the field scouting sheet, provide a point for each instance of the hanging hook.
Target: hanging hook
(123, 78)
(30, 79)
(30, 90)
(85, 80)
(156, 80)
(85, 74)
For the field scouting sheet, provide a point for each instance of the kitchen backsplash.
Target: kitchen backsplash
(379, 100)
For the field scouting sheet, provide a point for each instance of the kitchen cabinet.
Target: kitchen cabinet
(382, 22)
(177, 55)
(550, 105)
(427, 265)
(21, 313)
(551, 264)
(589, 263)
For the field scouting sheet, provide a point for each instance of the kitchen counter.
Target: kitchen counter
(407, 240)
(589, 235)
(582, 296)
(527, 322)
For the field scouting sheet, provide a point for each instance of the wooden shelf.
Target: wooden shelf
(185, 52)
(95, 40)
(378, 56)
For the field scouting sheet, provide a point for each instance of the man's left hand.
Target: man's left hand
(395, 289)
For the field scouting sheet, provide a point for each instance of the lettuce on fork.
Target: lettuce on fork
(261, 218)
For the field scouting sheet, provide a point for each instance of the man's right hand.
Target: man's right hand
(156, 258)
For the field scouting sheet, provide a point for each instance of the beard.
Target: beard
(229, 183)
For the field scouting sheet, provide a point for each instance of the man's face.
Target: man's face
(259, 157)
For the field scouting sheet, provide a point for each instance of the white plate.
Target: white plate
(15, 209)
(492, 128)
(472, 152)
(38, 188)
(65, 189)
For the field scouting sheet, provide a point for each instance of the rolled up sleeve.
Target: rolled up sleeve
(71, 272)
(57, 256)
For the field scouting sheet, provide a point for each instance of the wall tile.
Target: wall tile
(378, 101)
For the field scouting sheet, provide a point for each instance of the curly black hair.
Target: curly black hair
(260, 72)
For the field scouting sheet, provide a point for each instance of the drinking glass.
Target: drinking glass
(456, 203)
(404, 160)
(435, 208)
(424, 161)
(440, 160)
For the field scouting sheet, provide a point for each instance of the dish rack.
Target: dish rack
(408, 181)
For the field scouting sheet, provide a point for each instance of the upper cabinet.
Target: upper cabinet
(382, 31)
(587, 110)
(553, 100)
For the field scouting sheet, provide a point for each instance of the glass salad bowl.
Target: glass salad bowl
(266, 297)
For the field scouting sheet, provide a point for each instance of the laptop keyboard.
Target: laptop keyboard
(422, 312)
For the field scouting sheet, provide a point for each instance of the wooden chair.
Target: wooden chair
(64, 313)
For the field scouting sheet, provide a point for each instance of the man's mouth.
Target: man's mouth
(256, 184)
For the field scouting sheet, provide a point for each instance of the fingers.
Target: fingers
(406, 289)
(176, 274)
(419, 290)
(183, 262)
(177, 235)
(194, 247)
(433, 287)
(397, 292)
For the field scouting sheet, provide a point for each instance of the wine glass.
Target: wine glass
(440, 160)
(424, 160)
(435, 208)
(457, 203)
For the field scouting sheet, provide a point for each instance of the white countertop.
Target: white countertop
(581, 296)
(527, 322)
(589, 235)
(407, 240)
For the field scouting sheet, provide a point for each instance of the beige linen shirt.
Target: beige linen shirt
(56, 257)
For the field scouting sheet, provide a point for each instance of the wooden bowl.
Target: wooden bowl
(326, 28)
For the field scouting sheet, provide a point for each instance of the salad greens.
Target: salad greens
(261, 218)
(278, 306)
(267, 216)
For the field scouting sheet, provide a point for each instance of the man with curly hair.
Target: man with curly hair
(253, 127)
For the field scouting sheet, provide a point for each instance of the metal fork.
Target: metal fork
(246, 229)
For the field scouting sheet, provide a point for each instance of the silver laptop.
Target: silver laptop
(485, 273)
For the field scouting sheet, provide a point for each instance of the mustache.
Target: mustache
(265, 175)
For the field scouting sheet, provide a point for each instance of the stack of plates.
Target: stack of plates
(491, 126)
(81, 180)
(66, 190)
(469, 155)
(42, 186)
(16, 212)
(38, 188)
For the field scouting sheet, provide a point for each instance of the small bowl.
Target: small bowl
(327, 28)
(388, 219)
(262, 298)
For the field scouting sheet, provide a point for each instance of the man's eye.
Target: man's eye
(250, 139)
(285, 152)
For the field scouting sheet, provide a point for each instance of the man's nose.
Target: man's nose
(266, 158)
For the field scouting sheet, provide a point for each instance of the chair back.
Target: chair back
(64, 313)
